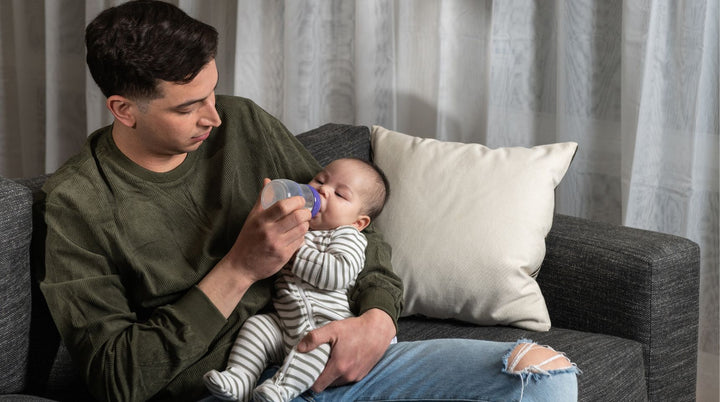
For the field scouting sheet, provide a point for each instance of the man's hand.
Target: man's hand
(270, 237)
(267, 240)
(357, 344)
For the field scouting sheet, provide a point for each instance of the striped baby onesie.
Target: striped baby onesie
(309, 293)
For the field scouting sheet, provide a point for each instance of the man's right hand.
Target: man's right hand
(268, 239)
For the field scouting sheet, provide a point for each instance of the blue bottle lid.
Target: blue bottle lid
(316, 203)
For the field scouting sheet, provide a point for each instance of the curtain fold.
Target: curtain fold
(634, 82)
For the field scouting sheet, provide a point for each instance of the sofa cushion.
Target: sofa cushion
(467, 225)
(15, 237)
(603, 359)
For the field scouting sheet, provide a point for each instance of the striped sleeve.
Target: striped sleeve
(331, 259)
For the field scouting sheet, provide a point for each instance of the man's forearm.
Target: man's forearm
(224, 286)
(381, 322)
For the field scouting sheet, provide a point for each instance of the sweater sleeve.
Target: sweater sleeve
(121, 356)
(377, 285)
(333, 267)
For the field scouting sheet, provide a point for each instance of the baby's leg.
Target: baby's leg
(259, 342)
(297, 375)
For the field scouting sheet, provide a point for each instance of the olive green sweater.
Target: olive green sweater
(126, 247)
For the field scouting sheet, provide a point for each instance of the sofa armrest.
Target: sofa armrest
(15, 237)
(631, 283)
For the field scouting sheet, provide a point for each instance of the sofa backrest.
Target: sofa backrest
(334, 141)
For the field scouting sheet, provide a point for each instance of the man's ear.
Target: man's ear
(362, 222)
(123, 109)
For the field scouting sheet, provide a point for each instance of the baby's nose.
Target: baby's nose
(323, 190)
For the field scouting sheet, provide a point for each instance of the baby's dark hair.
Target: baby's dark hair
(380, 192)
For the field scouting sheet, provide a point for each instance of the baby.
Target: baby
(310, 291)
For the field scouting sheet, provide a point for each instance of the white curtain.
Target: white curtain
(634, 82)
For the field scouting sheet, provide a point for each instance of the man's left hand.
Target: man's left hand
(357, 344)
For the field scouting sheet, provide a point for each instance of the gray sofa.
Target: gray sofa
(623, 302)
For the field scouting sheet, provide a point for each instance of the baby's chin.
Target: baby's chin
(317, 224)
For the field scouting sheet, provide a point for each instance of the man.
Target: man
(157, 249)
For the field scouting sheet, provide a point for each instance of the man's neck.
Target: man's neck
(133, 150)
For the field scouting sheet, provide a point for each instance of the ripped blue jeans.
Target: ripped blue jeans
(453, 370)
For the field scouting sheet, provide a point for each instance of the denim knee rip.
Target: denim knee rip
(535, 371)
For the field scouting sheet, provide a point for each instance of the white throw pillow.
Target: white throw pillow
(467, 225)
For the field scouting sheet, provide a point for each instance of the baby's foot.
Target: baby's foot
(229, 385)
(270, 392)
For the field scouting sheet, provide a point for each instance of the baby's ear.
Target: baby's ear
(362, 222)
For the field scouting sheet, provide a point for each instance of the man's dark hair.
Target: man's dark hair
(132, 46)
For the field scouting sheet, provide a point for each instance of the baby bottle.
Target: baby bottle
(280, 189)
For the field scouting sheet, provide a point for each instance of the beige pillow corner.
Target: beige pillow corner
(467, 225)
